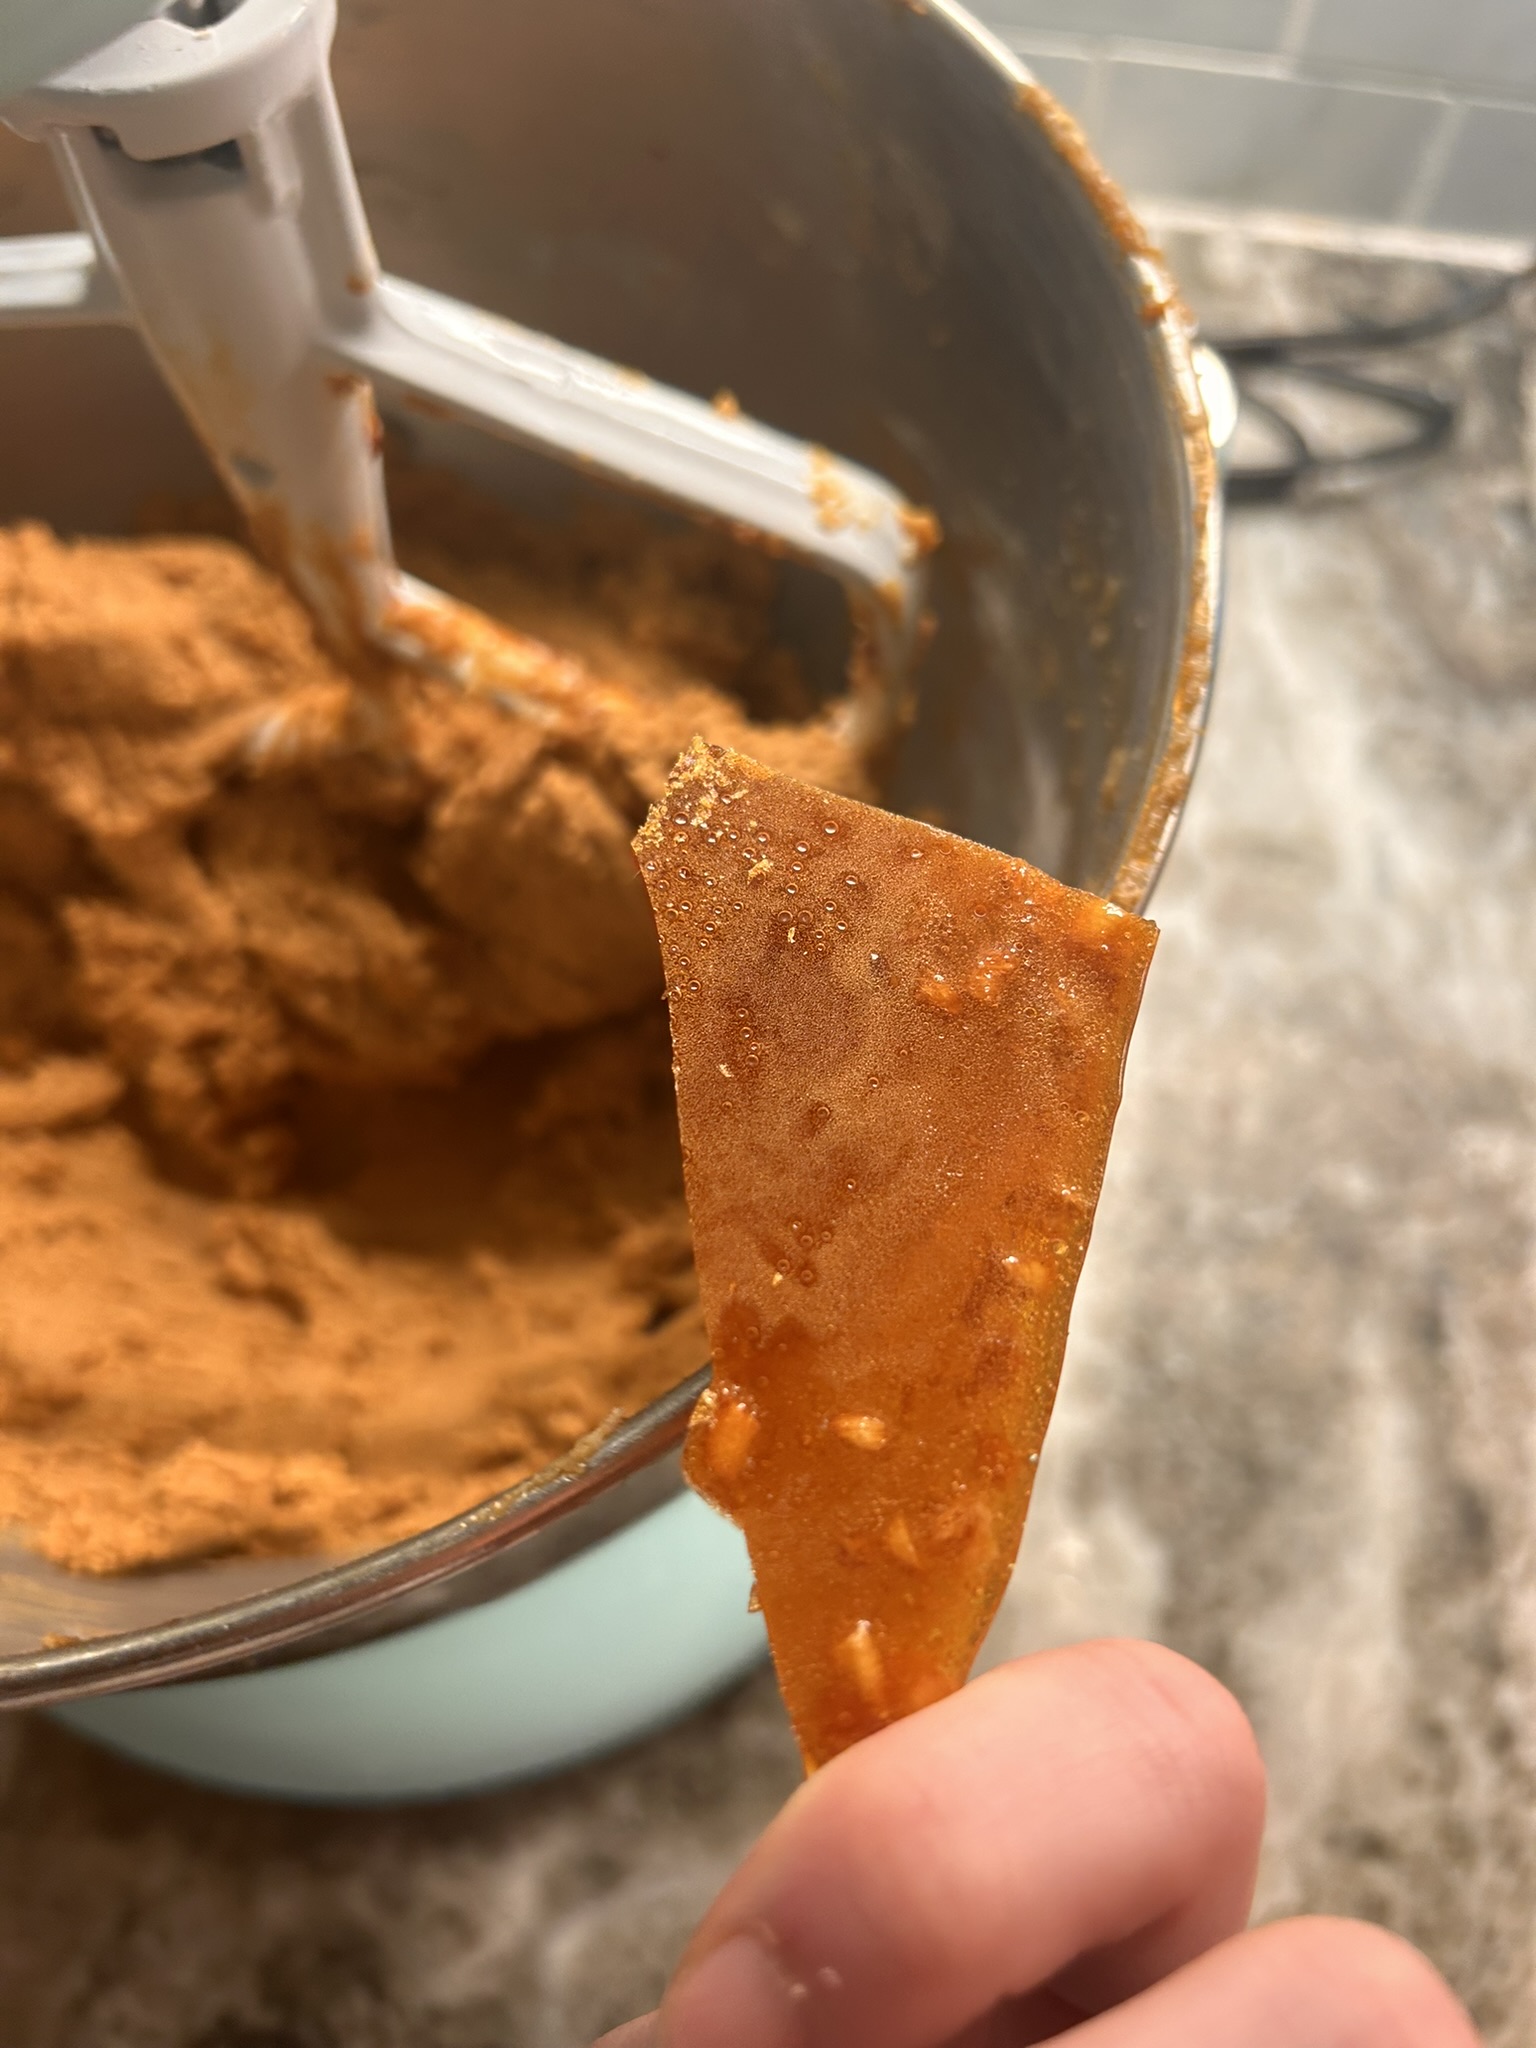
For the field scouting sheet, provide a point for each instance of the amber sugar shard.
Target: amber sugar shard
(898, 1061)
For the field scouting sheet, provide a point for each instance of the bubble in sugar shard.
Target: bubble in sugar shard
(863, 1432)
(734, 1425)
(860, 1656)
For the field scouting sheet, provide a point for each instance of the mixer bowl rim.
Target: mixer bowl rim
(260, 1628)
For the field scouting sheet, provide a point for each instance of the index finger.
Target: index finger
(1087, 1818)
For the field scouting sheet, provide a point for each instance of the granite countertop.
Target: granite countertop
(1296, 1436)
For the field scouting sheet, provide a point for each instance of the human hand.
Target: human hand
(1067, 1847)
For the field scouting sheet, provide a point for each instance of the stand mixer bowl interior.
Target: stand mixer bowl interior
(861, 219)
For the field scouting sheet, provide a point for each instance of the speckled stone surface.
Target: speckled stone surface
(1299, 1424)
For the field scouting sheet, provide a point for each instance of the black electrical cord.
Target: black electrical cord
(1305, 359)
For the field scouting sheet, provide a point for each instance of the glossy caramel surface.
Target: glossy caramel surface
(898, 1060)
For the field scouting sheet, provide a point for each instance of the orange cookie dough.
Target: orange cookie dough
(339, 1179)
(898, 1060)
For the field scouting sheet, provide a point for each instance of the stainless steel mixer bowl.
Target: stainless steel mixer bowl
(862, 218)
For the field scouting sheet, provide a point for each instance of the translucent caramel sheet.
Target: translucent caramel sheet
(898, 1061)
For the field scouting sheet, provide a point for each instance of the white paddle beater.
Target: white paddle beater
(204, 154)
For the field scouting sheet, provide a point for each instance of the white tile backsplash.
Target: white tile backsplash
(1219, 24)
(1457, 42)
(1176, 130)
(1063, 73)
(1488, 182)
(1395, 111)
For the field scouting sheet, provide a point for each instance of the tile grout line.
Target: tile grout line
(1210, 58)
(1298, 24)
(1096, 98)
(1416, 85)
(1427, 178)
(1336, 233)
(1049, 42)
(1207, 60)
(1284, 63)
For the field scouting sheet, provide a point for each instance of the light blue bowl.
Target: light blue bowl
(624, 1638)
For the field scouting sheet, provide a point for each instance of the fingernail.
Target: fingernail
(737, 1997)
(639, 2033)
